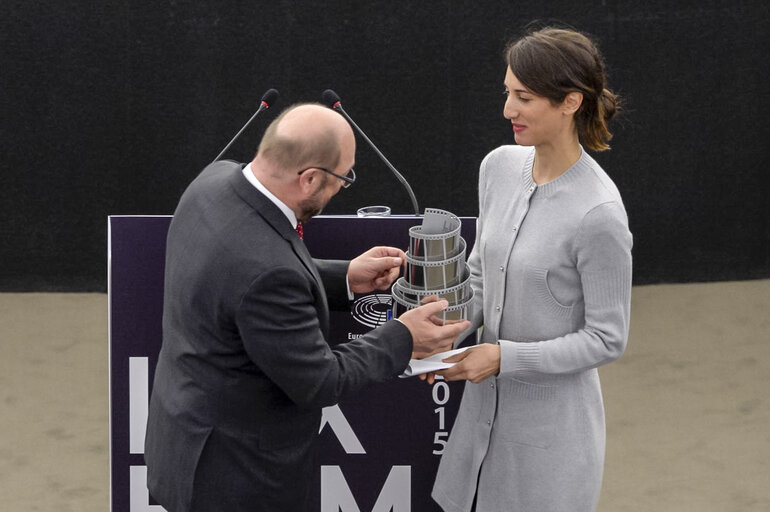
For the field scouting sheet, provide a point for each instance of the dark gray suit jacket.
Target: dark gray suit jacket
(245, 366)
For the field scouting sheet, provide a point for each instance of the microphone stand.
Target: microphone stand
(338, 106)
(267, 99)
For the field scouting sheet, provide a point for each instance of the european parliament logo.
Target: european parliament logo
(373, 310)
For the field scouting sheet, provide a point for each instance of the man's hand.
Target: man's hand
(376, 269)
(475, 364)
(427, 337)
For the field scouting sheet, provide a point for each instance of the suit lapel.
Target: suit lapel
(273, 216)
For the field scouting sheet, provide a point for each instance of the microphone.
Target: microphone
(332, 100)
(267, 99)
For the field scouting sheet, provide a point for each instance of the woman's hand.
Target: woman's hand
(475, 364)
(430, 377)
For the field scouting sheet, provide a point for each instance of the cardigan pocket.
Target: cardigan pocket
(529, 413)
(536, 282)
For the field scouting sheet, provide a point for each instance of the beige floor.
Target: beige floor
(688, 416)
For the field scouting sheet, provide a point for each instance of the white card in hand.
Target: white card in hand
(432, 363)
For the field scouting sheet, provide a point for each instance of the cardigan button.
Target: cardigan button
(497, 308)
(502, 268)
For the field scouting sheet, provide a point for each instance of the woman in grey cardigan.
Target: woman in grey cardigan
(551, 269)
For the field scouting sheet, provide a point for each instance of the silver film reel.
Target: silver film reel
(435, 267)
(438, 238)
(433, 247)
(436, 275)
(453, 312)
(454, 294)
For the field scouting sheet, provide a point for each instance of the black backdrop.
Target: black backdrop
(112, 107)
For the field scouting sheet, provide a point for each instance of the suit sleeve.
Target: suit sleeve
(278, 322)
(333, 275)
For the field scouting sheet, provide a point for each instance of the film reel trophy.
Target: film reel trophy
(435, 268)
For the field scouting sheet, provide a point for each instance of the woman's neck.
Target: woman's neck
(552, 160)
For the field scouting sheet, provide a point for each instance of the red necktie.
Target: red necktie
(299, 230)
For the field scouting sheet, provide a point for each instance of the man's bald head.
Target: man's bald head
(304, 135)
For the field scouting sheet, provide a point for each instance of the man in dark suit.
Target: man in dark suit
(245, 366)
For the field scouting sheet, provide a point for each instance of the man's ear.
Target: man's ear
(572, 102)
(308, 180)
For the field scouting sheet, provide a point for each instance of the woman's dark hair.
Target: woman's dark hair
(553, 62)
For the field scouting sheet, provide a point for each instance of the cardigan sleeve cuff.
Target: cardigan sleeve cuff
(516, 357)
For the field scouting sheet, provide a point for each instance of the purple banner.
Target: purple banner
(379, 449)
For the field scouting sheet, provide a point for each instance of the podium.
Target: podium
(379, 449)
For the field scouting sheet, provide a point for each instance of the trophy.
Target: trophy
(435, 268)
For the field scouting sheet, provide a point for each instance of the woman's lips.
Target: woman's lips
(518, 128)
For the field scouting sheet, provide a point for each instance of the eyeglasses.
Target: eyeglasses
(347, 180)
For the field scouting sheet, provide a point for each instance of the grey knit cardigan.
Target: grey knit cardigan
(551, 269)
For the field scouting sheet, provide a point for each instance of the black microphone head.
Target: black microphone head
(269, 97)
(330, 98)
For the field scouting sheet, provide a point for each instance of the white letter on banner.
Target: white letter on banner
(140, 496)
(395, 496)
(342, 429)
(138, 400)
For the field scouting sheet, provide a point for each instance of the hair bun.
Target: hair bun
(609, 104)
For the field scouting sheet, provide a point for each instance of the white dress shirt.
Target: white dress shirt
(249, 174)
